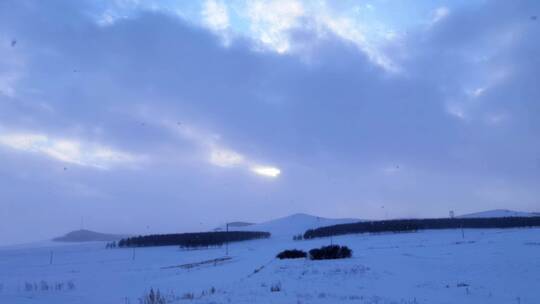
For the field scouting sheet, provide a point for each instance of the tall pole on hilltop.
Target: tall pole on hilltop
(227, 240)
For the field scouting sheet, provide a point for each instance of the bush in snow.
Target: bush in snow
(71, 285)
(153, 298)
(28, 286)
(48, 286)
(188, 296)
(291, 254)
(275, 287)
(330, 252)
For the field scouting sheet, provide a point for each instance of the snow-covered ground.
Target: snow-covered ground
(487, 266)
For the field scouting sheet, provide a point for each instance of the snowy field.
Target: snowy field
(487, 266)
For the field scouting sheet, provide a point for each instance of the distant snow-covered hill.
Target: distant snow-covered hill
(294, 224)
(499, 213)
(87, 236)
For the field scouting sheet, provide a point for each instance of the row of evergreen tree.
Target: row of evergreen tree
(409, 225)
(192, 240)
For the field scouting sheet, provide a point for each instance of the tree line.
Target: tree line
(192, 240)
(411, 225)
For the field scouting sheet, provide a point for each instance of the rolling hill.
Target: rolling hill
(84, 235)
(294, 224)
(499, 213)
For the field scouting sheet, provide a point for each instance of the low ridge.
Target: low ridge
(84, 235)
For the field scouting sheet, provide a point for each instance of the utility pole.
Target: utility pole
(227, 239)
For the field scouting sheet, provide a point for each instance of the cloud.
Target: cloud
(225, 158)
(68, 151)
(11, 65)
(218, 153)
(439, 14)
(391, 169)
(350, 30)
(272, 20)
(320, 92)
(456, 110)
(496, 118)
(215, 15)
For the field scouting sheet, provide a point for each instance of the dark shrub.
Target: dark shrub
(345, 252)
(275, 287)
(153, 298)
(292, 254)
(330, 253)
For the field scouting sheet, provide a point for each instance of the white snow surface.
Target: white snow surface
(433, 266)
(499, 213)
(294, 224)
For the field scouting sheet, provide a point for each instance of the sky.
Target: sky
(131, 116)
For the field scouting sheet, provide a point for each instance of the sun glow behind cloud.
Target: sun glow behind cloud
(217, 153)
(267, 171)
